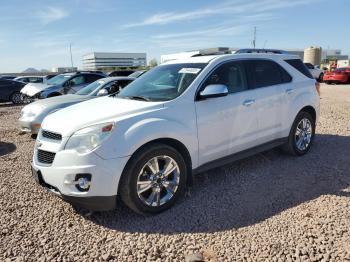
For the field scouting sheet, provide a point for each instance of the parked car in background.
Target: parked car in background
(31, 79)
(316, 72)
(121, 73)
(68, 83)
(138, 73)
(33, 114)
(339, 75)
(8, 77)
(182, 117)
(10, 91)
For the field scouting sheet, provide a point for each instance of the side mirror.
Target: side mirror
(216, 90)
(102, 92)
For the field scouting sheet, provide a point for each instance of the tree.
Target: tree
(153, 62)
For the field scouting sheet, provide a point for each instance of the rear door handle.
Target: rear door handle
(248, 102)
(289, 91)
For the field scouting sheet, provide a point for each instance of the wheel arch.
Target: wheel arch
(177, 145)
(309, 109)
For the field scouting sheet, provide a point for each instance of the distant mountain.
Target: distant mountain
(44, 71)
(31, 70)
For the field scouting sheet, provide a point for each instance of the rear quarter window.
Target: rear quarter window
(300, 66)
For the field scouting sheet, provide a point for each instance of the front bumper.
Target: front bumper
(29, 125)
(60, 178)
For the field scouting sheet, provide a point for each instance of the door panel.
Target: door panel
(269, 80)
(225, 125)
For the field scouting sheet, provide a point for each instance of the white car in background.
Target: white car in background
(33, 114)
(180, 118)
(34, 85)
(315, 71)
(33, 79)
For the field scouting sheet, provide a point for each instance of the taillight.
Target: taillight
(318, 88)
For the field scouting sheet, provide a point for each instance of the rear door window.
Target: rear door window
(263, 73)
(92, 78)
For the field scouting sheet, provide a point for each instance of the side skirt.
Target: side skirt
(240, 155)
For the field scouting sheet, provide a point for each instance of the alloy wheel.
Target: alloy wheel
(158, 181)
(303, 134)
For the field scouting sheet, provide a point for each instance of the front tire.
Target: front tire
(301, 135)
(154, 178)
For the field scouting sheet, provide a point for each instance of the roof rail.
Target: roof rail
(265, 51)
(88, 71)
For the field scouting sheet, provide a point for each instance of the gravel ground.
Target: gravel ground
(269, 207)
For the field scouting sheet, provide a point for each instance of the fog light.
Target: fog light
(83, 182)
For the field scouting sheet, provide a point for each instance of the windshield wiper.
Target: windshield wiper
(143, 98)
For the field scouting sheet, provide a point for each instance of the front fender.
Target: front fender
(130, 138)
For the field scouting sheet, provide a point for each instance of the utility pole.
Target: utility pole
(254, 37)
(71, 57)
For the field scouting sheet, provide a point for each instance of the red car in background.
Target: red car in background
(338, 75)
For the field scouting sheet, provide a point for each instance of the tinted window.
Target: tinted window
(78, 80)
(310, 66)
(35, 80)
(262, 73)
(92, 78)
(298, 65)
(231, 74)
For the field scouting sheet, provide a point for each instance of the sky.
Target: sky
(38, 33)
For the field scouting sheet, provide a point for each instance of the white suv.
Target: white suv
(180, 118)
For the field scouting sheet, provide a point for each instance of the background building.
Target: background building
(112, 61)
(61, 70)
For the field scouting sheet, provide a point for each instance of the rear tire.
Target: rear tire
(320, 78)
(301, 135)
(16, 98)
(147, 186)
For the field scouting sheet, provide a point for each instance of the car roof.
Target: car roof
(27, 76)
(114, 78)
(210, 58)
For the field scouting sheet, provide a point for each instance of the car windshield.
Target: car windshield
(90, 89)
(163, 83)
(57, 80)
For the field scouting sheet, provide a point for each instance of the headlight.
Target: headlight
(87, 139)
(30, 112)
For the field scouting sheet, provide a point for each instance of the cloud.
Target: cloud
(230, 28)
(51, 14)
(226, 8)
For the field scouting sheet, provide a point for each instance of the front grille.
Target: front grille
(45, 156)
(51, 135)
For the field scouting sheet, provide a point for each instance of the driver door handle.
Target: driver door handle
(248, 102)
(289, 91)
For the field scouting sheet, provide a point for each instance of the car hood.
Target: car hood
(61, 100)
(33, 88)
(95, 111)
(45, 106)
